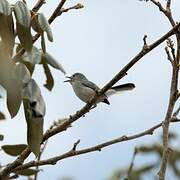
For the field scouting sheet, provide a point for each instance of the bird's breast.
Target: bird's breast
(83, 92)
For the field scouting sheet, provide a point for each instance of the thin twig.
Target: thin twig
(77, 6)
(175, 114)
(132, 163)
(99, 147)
(38, 5)
(39, 158)
(167, 13)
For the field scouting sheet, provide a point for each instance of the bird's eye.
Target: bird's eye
(73, 75)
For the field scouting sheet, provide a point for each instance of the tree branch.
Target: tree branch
(167, 11)
(131, 164)
(99, 147)
(38, 5)
(116, 78)
(173, 90)
(39, 158)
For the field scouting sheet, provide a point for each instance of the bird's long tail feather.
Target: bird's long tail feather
(120, 88)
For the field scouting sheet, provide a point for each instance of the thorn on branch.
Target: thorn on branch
(144, 39)
(124, 137)
(145, 46)
(75, 145)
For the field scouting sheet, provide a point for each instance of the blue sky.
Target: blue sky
(98, 41)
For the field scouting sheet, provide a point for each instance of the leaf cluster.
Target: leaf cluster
(18, 23)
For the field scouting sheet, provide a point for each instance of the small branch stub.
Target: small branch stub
(75, 145)
(145, 46)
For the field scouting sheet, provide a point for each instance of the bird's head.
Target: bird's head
(75, 77)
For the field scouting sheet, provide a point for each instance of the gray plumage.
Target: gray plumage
(86, 89)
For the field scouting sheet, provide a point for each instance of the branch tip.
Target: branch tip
(75, 145)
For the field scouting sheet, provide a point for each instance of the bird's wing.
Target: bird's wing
(90, 85)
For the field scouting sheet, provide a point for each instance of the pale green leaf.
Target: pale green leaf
(7, 34)
(22, 13)
(53, 62)
(5, 7)
(30, 67)
(22, 73)
(13, 97)
(49, 78)
(43, 44)
(34, 128)
(32, 93)
(23, 19)
(34, 107)
(44, 25)
(14, 150)
(33, 56)
(25, 37)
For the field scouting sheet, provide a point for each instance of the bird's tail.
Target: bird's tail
(120, 88)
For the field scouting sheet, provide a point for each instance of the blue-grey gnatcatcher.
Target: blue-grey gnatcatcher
(85, 89)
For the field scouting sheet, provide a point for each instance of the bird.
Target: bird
(86, 90)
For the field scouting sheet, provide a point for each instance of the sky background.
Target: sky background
(98, 41)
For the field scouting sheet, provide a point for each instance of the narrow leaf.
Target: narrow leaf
(53, 62)
(34, 128)
(33, 56)
(34, 108)
(14, 150)
(7, 34)
(43, 44)
(28, 172)
(22, 73)
(25, 37)
(49, 78)
(5, 8)
(23, 18)
(14, 97)
(44, 25)
(29, 66)
(32, 93)
(22, 13)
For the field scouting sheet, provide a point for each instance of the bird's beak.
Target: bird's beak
(69, 80)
